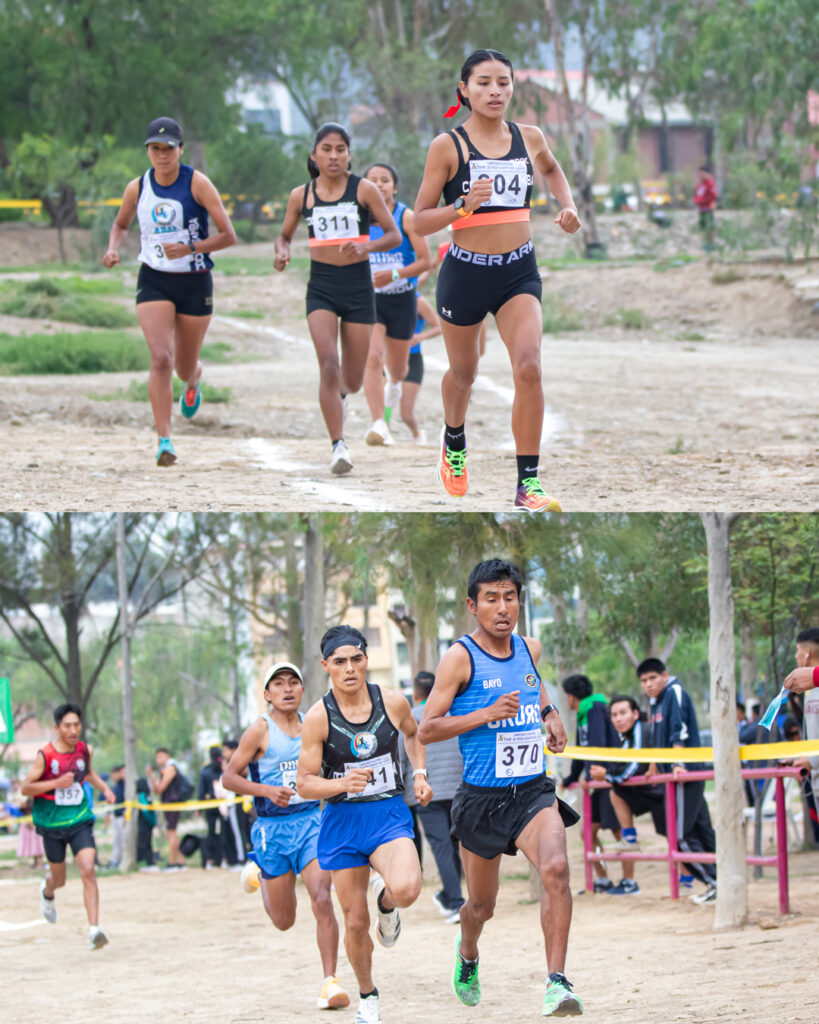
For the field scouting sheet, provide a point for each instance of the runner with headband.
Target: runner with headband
(395, 276)
(172, 203)
(484, 169)
(337, 207)
(349, 758)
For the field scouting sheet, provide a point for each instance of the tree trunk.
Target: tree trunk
(315, 680)
(732, 892)
(129, 850)
(295, 638)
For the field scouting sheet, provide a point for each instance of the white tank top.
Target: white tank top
(167, 218)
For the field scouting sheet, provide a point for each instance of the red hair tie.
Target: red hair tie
(454, 110)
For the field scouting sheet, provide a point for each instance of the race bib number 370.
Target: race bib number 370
(509, 180)
(518, 753)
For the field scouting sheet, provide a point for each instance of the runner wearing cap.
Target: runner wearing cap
(349, 757)
(172, 203)
(285, 832)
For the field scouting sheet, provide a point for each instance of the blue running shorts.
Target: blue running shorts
(285, 843)
(350, 831)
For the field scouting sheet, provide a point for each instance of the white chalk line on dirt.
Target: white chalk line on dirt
(6, 927)
(271, 456)
(552, 423)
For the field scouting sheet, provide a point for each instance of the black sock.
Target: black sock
(380, 905)
(365, 995)
(337, 441)
(455, 438)
(527, 466)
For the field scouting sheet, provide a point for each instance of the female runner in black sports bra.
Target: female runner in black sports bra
(337, 207)
(484, 172)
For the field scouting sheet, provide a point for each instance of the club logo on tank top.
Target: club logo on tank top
(55, 766)
(81, 765)
(363, 744)
(531, 680)
(162, 214)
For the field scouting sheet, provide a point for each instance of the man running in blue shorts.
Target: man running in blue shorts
(286, 829)
(488, 693)
(349, 757)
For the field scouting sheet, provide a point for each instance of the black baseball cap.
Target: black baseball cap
(164, 129)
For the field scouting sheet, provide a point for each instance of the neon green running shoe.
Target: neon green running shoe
(465, 982)
(559, 1000)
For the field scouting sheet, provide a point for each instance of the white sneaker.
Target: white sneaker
(48, 908)
(709, 896)
(341, 462)
(368, 1012)
(333, 996)
(388, 924)
(421, 439)
(97, 937)
(379, 433)
(251, 876)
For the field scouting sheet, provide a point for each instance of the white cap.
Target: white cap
(280, 666)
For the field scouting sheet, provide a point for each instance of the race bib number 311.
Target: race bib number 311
(509, 180)
(518, 753)
(335, 223)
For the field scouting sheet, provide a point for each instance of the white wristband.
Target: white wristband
(420, 771)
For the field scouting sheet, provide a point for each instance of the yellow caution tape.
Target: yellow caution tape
(101, 807)
(663, 755)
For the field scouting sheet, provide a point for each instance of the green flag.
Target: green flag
(6, 716)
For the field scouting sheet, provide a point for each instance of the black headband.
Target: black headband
(343, 640)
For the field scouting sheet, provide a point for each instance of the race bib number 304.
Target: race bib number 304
(518, 753)
(335, 223)
(509, 180)
(382, 779)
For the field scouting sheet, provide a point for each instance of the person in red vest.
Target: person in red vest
(705, 199)
(63, 816)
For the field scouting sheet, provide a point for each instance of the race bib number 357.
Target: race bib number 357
(71, 796)
(518, 753)
(509, 180)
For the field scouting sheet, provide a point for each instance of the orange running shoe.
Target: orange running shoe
(530, 497)
(452, 473)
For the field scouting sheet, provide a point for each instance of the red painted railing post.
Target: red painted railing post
(587, 839)
(671, 836)
(782, 846)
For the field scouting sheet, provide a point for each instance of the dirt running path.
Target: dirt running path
(194, 948)
(706, 406)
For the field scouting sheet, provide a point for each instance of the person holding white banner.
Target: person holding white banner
(488, 693)
(337, 207)
(172, 203)
(484, 171)
(350, 758)
(63, 816)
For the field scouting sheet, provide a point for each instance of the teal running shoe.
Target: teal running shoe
(165, 455)
(189, 401)
(559, 1000)
(465, 982)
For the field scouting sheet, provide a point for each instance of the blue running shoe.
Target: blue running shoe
(189, 401)
(165, 455)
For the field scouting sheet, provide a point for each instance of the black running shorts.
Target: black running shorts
(346, 291)
(415, 373)
(472, 284)
(78, 837)
(644, 799)
(191, 294)
(488, 820)
(398, 314)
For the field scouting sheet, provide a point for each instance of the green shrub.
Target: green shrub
(727, 276)
(559, 317)
(43, 303)
(137, 391)
(85, 352)
(631, 319)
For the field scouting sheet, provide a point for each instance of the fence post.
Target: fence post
(587, 840)
(782, 845)
(671, 836)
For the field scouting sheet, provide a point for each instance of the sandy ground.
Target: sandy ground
(705, 407)
(194, 947)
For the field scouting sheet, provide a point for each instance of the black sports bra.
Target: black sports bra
(339, 221)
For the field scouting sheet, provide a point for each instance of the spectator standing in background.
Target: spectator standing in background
(705, 199)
